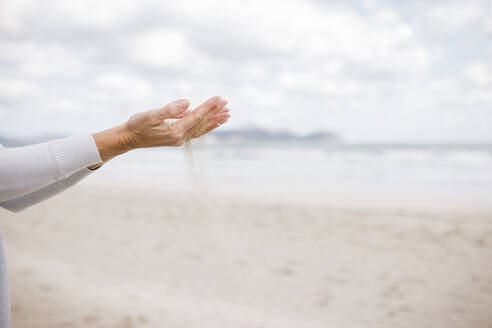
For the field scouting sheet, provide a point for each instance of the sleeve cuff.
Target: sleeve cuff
(75, 153)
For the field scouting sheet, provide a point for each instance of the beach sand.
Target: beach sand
(126, 257)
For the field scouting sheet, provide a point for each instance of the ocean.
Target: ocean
(303, 171)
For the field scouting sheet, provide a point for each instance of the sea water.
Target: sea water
(308, 170)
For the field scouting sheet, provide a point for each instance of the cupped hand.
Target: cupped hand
(150, 129)
(171, 125)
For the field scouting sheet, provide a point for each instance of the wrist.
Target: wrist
(113, 142)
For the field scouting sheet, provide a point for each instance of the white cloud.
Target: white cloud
(311, 82)
(362, 69)
(117, 85)
(41, 60)
(478, 74)
(18, 16)
(165, 48)
(16, 88)
(455, 15)
(12, 14)
(93, 13)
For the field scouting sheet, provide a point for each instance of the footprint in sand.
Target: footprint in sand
(161, 246)
(65, 324)
(193, 255)
(324, 301)
(284, 271)
(125, 242)
(480, 243)
(129, 322)
(393, 291)
(90, 319)
(241, 263)
(394, 312)
(126, 322)
(15, 308)
(27, 271)
(45, 287)
(143, 319)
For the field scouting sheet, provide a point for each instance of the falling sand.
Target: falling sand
(193, 152)
(194, 157)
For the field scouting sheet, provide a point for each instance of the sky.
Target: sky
(371, 71)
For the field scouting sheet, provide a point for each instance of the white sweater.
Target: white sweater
(31, 174)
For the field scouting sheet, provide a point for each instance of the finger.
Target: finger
(213, 127)
(171, 110)
(213, 124)
(220, 118)
(183, 114)
(199, 113)
(224, 110)
(198, 127)
(215, 110)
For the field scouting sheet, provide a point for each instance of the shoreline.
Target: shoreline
(305, 197)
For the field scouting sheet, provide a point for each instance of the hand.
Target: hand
(150, 129)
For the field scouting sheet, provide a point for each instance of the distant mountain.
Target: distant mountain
(322, 136)
(247, 134)
(256, 134)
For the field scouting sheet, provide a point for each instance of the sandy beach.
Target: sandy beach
(126, 257)
(246, 164)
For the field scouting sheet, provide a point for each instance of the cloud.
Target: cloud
(478, 74)
(452, 16)
(119, 89)
(164, 48)
(15, 89)
(41, 60)
(367, 70)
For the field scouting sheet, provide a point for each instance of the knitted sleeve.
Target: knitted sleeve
(20, 203)
(42, 170)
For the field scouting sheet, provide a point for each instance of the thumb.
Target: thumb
(172, 110)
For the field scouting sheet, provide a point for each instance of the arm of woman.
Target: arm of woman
(45, 178)
(20, 203)
(26, 169)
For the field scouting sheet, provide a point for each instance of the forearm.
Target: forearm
(25, 201)
(26, 169)
(105, 145)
